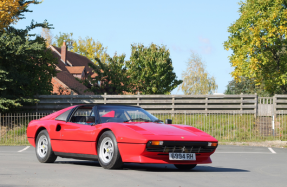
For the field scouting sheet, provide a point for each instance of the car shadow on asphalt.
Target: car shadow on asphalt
(171, 168)
(77, 162)
(156, 167)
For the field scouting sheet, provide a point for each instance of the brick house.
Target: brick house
(70, 66)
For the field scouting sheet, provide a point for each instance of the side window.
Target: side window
(112, 115)
(83, 116)
(63, 116)
(83, 112)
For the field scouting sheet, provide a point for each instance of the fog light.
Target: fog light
(212, 144)
(156, 142)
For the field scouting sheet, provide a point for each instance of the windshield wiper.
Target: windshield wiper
(157, 121)
(138, 119)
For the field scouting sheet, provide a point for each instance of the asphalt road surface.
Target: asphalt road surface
(232, 166)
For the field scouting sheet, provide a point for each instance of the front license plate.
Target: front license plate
(182, 156)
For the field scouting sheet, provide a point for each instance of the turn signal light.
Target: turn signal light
(156, 142)
(212, 144)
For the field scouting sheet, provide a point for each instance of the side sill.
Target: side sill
(77, 156)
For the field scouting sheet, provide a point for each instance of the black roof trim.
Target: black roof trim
(92, 105)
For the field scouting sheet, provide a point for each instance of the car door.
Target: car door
(77, 135)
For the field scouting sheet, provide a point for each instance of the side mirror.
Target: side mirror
(168, 121)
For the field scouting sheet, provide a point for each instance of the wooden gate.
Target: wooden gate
(264, 116)
(265, 106)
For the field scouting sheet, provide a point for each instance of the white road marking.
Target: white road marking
(272, 151)
(24, 149)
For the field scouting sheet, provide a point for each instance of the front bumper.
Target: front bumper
(137, 153)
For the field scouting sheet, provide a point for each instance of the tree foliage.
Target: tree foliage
(111, 76)
(27, 68)
(258, 42)
(246, 86)
(12, 10)
(150, 70)
(47, 35)
(196, 79)
(67, 37)
(90, 49)
(6, 103)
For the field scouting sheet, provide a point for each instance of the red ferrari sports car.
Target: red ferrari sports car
(114, 134)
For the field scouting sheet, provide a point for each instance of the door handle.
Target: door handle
(58, 127)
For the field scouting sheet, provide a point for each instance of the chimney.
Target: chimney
(64, 52)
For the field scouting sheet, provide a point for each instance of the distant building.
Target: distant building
(70, 66)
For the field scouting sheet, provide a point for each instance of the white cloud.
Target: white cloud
(176, 48)
(204, 40)
(205, 45)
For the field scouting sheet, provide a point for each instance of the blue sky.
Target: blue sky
(182, 26)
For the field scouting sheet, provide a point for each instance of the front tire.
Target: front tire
(108, 152)
(43, 149)
(185, 167)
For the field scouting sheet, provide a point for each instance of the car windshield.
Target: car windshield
(124, 114)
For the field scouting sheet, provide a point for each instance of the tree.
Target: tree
(90, 49)
(150, 70)
(12, 11)
(5, 103)
(195, 79)
(68, 37)
(111, 76)
(258, 42)
(27, 67)
(46, 33)
(246, 86)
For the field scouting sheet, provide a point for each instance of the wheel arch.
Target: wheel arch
(100, 134)
(37, 132)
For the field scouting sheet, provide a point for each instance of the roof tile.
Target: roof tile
(76, 69)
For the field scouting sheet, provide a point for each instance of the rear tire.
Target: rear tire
(108, 152)
(185, 167)
(43, 149)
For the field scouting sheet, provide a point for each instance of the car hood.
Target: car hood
(150, 128)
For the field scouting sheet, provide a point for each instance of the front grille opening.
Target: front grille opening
(181, 147)
(166, 154)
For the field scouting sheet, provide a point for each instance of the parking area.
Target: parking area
(232, 166)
